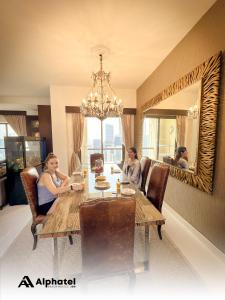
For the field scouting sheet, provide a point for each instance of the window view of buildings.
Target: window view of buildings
(109, 137)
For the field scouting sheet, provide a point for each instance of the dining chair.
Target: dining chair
(29, 178)
(156, 188)
(94, 157)
(107, 238)
(145, 166)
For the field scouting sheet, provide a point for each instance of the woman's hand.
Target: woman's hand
(64, 178)
(65, 182)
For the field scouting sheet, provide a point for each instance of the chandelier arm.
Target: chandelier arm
(101, 80)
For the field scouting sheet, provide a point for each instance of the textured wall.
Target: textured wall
(205, 212)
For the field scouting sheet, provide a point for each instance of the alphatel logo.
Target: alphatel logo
(62, 283)
(26, 282)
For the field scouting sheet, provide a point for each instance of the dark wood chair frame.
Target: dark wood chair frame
(157, 183)
(30, 188)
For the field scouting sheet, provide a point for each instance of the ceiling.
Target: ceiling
(50, 42)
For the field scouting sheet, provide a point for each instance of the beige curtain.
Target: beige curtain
(18, 123)
(77, 137)
(126, 121)
(181, 124)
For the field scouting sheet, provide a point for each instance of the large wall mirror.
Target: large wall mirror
(179, 125)
(172, 126)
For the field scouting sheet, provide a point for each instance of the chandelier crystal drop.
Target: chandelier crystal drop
(101, 102)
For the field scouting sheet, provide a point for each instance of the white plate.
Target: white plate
(102, 185)
(128, 192)
(116, 171)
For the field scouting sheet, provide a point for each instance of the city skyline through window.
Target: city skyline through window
(107, 138)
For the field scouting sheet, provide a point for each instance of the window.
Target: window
(159, 137)
(5, 130)
(103, 136)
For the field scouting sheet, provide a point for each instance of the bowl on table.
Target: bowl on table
(116, 171)
(78, 186)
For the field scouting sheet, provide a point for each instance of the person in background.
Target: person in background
(182, 158)
(51, 183)
(132, 167)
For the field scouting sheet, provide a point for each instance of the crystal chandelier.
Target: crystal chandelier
(101, 102)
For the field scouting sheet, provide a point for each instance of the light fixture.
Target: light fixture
(193, 112)
(101, 102)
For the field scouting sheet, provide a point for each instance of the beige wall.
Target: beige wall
(205, 212)
(61, 96)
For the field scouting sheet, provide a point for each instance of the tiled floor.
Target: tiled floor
(12, 220)
(169, 270)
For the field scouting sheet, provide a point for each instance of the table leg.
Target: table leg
(147, 247)
(143, 266)
(55, 259)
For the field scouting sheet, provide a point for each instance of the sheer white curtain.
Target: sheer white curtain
(181, 127)
(75, 127)
(18, 123)
(127, 129)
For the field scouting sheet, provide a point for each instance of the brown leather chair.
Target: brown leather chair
(157, 187)
(107, 237)
(144, 173)
(94, 157)
(29, 178)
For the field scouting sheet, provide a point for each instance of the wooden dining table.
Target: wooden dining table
(64, 219)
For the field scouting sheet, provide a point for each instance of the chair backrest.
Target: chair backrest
(107, 236)
(157, 185)
(94, 157)
(144, 172)
(29, 178)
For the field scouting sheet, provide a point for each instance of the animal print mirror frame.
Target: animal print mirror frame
(209, 73)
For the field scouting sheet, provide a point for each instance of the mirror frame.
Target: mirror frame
(209, 73)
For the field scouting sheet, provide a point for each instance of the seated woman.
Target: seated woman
(51, 183)
(132, 167)
(182, 158)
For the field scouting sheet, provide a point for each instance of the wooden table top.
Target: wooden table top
(64, 220)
